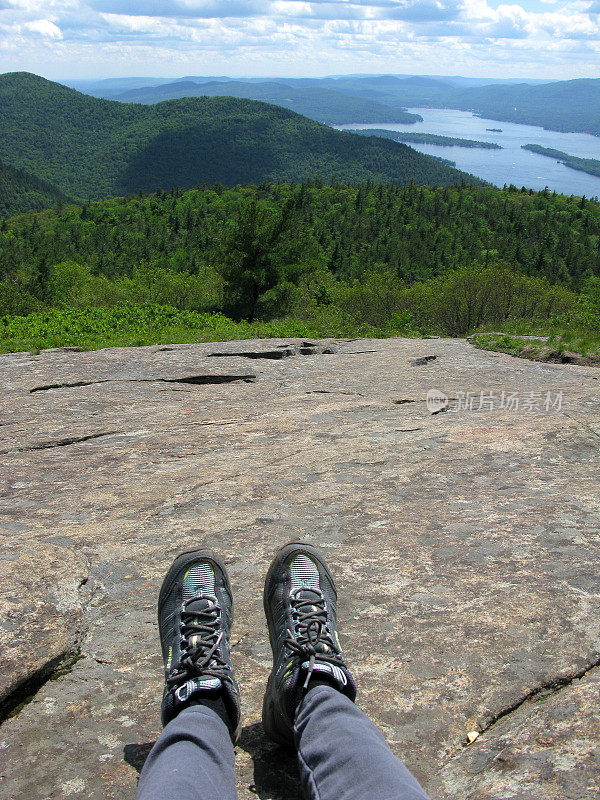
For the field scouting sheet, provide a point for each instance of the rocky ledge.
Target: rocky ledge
(465, 546)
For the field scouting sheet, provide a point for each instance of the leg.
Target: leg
(343, 756)
(310, 693)
(192, 759)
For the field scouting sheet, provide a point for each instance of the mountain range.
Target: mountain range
(568, 106)
(572, 105)
(89, 147)
(109, 88)
(319, 103)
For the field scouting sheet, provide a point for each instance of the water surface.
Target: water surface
(511, 164)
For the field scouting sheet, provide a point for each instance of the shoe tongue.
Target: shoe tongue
(206, 683)
(309, 595)
(198, 605)
(330, 670)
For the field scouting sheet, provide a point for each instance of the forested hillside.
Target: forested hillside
(572, 105)
(389, 89)
(559, 105)
(20, 191)
(247, 250)
(90, 147)
(321, 104)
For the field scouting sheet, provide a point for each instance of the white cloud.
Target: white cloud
(43, 27)
(60, 37)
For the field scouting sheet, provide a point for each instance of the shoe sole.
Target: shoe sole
(278, 733)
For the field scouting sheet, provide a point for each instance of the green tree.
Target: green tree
(252, 268)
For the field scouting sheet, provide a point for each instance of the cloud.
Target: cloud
(427, 10)
(43, 27)
(285, 9)
(175, 37)
(187, 9)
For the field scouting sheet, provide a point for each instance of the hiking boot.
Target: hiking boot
(195, 611)
(300, 605)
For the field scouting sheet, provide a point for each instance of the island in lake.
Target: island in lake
(426, 138)
(589, 165)
(494, 130)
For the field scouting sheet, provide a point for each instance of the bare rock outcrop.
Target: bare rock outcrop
(40, 613)
(464, 543)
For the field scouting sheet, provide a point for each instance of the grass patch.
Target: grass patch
(507, 343)
(130, 326)
(580, 342)
(584, 342)
(137, 325)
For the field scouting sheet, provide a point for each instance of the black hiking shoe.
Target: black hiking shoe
(195, 610)
(300, 605)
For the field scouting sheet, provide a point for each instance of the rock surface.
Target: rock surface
(41, 611)
(464, 543)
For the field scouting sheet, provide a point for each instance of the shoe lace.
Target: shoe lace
(311, 636)
(200, 637)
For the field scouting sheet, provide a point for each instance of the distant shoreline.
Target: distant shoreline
(591, 166)
(426, 138)
(487, 116)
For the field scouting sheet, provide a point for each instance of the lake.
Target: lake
(511, 164)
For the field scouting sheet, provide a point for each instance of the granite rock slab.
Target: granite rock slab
(465, 545)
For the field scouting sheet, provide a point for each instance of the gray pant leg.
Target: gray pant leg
(343, 756)
(192, 759)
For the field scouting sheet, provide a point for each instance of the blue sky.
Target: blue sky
(106, 38)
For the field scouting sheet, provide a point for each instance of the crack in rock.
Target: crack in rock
(207, 380)
(421, 362)
(240, 640)
(48, 445)
(280, 351)
(582, 424)
(334, 391)
(14, 702)
(272, 354)
(538, 693)
(194, 380)
(440, 410)
(65, 385)
(21, 693)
